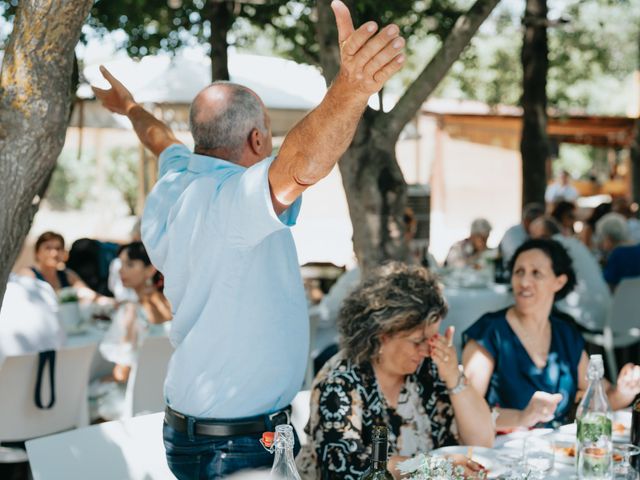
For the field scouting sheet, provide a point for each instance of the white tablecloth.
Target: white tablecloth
(466, 305)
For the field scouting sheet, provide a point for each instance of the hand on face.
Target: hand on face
(541, 408)
(368, 59)
(629, 380)
(445, 357)
(116, 99)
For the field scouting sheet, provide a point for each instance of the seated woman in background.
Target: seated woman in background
(135, 320)
(393, 369)
(525, 359)
(468, 252)
(49, 266)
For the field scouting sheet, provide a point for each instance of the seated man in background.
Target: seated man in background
(623, 262)
(467, 252)
(518, 234)
(612, 231)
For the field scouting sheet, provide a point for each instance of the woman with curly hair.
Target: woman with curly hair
(527, 359)
(393, 369)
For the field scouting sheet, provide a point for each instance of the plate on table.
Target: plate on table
(483, 456)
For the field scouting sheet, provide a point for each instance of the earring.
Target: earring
(148, 282)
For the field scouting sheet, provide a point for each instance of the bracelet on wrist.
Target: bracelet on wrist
(460, 385)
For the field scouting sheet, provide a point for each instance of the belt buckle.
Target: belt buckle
(275, 414)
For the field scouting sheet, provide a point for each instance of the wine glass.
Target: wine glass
(623, 470)
(539, 455)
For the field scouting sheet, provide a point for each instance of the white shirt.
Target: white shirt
(590, 300)
(512, 239)
(29, 318)
(240, 327)
(557, 192)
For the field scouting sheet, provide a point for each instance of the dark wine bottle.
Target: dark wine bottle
(378, 468)
(635, 432)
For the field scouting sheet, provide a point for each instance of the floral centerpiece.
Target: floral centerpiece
(69, 310)
(67, 295)
(434, 467)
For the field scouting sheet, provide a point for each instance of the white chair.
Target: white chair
(146, 382)
(144, 390)
(622, 327)
(130, 449)
(300, 411)
(20, 419)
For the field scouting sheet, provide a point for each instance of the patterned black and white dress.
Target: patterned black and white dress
(346, 403)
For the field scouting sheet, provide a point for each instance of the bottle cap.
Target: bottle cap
(267, 439)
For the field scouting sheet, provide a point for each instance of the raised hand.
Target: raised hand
(445, 357)
(368, 59)
(628, 383)
(541, 408)
(116, 99)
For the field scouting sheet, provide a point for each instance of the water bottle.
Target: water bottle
(378, 468)
(594, 427)
(284, 466)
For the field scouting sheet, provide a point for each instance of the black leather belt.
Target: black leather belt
(227, 428)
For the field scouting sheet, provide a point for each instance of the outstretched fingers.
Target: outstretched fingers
(343, 20)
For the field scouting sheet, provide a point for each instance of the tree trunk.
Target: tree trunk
(376, 194)
(221, 17)
(635, 164)
(34, 112)
(375, 188)
(534, 144)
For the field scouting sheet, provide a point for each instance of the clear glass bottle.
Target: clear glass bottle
(594, 422)
(378, 468)
(284, 466)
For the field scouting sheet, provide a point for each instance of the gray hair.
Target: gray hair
(480, 226)
(395, 298)
(532, 210)
(613, 226)
(230, 127)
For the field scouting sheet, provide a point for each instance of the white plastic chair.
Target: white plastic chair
(144, 391)
(146, 382)
(20, 419)
(129, 449)
(622, 327)
(300, 411)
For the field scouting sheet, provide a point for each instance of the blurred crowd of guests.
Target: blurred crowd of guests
(106, 283)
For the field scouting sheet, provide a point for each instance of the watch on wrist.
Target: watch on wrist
(460, 385)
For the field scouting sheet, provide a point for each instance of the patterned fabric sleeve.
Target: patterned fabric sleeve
(337, 430)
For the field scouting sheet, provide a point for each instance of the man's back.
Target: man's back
(623, 262)
(231, 273)
(590, 300)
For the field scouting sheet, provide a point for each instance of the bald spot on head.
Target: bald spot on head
(223, 115)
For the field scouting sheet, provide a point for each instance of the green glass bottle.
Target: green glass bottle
(378, 468)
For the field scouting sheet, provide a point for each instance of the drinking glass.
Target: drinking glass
(539, 455)
(623, 470)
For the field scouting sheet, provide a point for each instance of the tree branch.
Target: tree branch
(456, 41)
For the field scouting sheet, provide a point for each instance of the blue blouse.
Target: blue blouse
(515, 377)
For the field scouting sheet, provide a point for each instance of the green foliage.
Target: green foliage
(71, 180)
(122, 174)
(591, 57)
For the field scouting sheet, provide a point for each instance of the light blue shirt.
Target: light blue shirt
(240, 327)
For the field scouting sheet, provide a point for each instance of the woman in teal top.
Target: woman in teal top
(527, 361)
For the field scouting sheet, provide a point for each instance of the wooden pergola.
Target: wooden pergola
(504, 130)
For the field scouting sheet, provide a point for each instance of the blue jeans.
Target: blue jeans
(205, 457)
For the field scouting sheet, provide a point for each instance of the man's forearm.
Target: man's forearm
(313, 147)
(153, 133)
